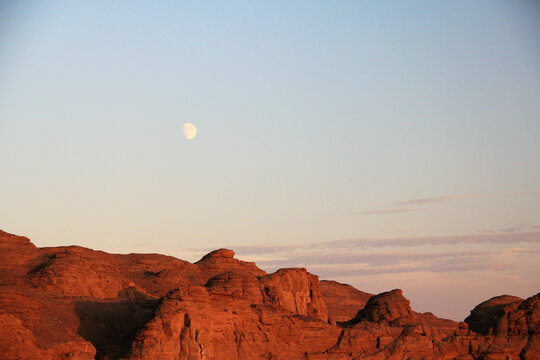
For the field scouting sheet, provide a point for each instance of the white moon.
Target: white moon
(189, 131)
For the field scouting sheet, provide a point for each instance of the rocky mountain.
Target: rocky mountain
(77, 303)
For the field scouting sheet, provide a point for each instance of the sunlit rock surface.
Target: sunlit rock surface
(77, 303)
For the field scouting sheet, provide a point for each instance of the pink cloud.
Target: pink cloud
(438, 199)
(386, 211)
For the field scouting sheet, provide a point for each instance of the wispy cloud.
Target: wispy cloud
(362, 264)
(368, 243)
(438, 199)
(453, 197)
(339, 270)
(522, 251)
(386, 211)
(520, 228)
(379, 259)
(433, 201)
(374, 256)
(496, 238)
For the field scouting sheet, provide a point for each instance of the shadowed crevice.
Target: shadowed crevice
(111, 325)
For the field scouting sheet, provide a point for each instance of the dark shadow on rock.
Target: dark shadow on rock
(110, 325)
(485, 316)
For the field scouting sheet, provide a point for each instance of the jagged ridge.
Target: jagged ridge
(77, 303)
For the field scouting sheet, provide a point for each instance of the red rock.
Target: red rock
(195, 323)
(222, 260)
(19, 342)
(77, 271)
(343, 301)
(15, 254)
(387, 308)
(157, 274)
(15, 339)
(236, 285)
(295, 290)
(77, 303)
(483, 317)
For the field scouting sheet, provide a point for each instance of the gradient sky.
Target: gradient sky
(382, 144)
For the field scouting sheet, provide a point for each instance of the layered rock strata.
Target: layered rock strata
(77, 303)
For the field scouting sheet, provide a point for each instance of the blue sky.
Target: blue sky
(317, 122)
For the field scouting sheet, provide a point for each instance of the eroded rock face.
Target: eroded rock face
(486, 317)
(343, 301)
(16, 338)
(19, 342)
(512, 323)
(387, 308)
(157, 274)
(237, 285)
(76, 271)
(222, 260)
(196, 323)
(15, 253)
(77, 303)
(295, 290)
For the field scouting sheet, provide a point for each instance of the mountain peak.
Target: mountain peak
(218, 254)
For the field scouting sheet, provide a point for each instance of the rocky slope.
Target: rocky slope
(343, 300)
(77, 303)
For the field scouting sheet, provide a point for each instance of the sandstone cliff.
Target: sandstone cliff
(77, 303)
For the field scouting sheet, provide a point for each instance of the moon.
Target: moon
(190, 131)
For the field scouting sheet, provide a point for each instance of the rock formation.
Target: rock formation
(390, 308)
(486, 317)
(342, 300)
(76, 303)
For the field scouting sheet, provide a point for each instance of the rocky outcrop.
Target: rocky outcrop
(157, 274)
(16, 339)
(389, 308)
(342, 300)
(525, 321)
(76, 271)
(295, 290)
(237, 285)
(19, 342)
(16, 253)
(486, 317)
(77, 303)
(510, 323)
(222, 260)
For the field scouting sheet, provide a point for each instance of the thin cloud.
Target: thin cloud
(419, 201)
(433, 200)
(520, 228)
(435, 263)
(438, 199)
(339, 271)
(374, 259)
(369, 256)
(386, 211)
(368, 243)
(447, 198)
(381, 263)
(498, 238)
(523, 251)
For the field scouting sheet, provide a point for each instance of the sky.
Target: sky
(383, 144)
